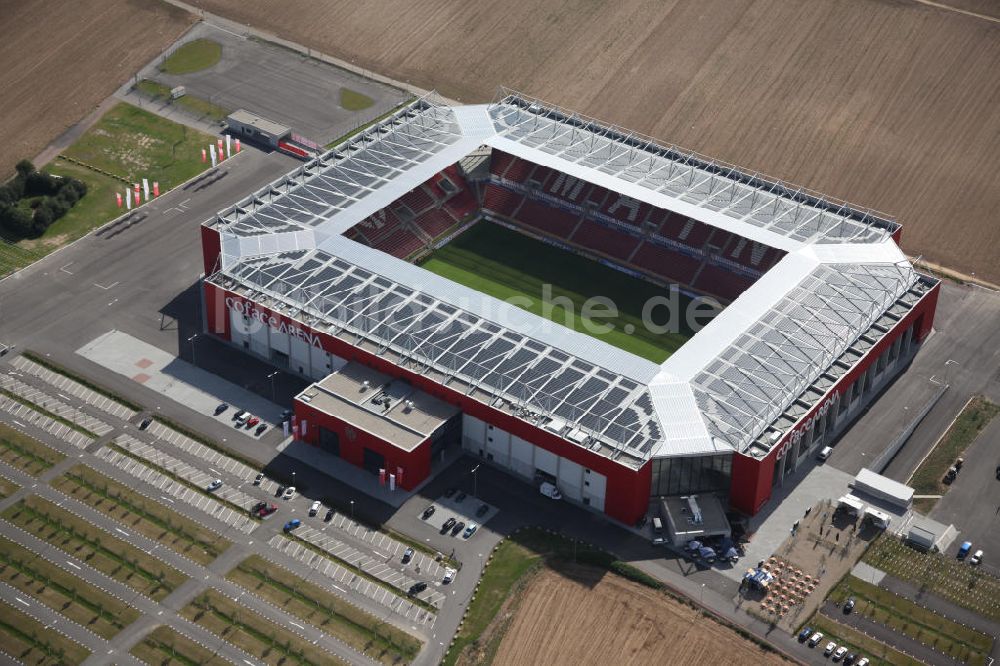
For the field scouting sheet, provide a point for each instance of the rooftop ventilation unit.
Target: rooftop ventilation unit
(696, 517)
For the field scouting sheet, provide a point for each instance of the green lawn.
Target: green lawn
(198, 107)
(194, 56)
(135, 144)
(927, 479)
(352, 100)
(128, 143)
(516, 268)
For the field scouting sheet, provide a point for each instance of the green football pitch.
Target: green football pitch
(555, 284)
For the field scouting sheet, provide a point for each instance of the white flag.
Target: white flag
(392, 482)
(145, 188)
(211, 150)
(128, 199)
(229, 152)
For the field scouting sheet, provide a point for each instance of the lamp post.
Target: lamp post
(293, 478)
(947, 370)
(352, 511)
(271, 377)
(475, 481)
(191, 340)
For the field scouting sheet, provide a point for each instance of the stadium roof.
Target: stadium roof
(720, 392)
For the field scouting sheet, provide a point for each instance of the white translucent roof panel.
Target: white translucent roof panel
(720, 193)
(750, 382)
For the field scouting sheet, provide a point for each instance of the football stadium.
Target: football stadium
(564, 299)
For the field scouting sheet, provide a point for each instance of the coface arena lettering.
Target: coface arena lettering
(249, 311)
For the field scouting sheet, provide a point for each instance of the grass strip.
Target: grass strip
(151, 519)
(52, 415)
(859, 643)
(253, 633)
(7, 488)
(362, 631)
(83, 381)
(63, 592)
(928, 477)
(112, 556)
(166, 472)
(165, 645)
(26, 453)
(922, 624)
(30, 642)
(352, 100)
(963, 585)
(194, 56)
(360, 572)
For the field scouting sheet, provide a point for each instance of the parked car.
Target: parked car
(407, 555)
(447, 525)
(267, 510)
(221, 408)
(257, 479)
(280, 491)
(977, 558)
(830, 647)
(461, 496)
(428, 512)
(286, 414)
(260, 429)
(849, 659)
(314, 509)
(815, 639)
(145, 423)
(242, 418)
(839, 654)
(459, 526)
(550, 491)
(417, 588)
(470, 530)
(236, 416)
(482, 510)
(964, 549)
(251, 422)
(292, 524)
(257, 507)
(329, 516)
(215, 485)
(289, 492)
(452, 491)
(449, 575)
(849, 606)
(998, 472)
(862, 662)
(804, 634)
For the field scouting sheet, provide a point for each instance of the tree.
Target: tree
(16, 221)
(24, 167)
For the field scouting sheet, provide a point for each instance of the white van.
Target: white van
(824, 453)
(549, 490)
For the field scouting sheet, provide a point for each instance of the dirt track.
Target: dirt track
(60, 60)
(611, 620)
(892, 105)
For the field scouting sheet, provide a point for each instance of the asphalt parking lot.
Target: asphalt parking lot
(279, 84)
(161, 465)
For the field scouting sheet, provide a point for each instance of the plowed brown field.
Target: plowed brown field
(59, 60)
(615, 621)
(890, 104)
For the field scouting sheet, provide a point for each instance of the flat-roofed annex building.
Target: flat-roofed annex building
(293, 276)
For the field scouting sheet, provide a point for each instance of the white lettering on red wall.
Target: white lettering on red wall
(253, 313)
